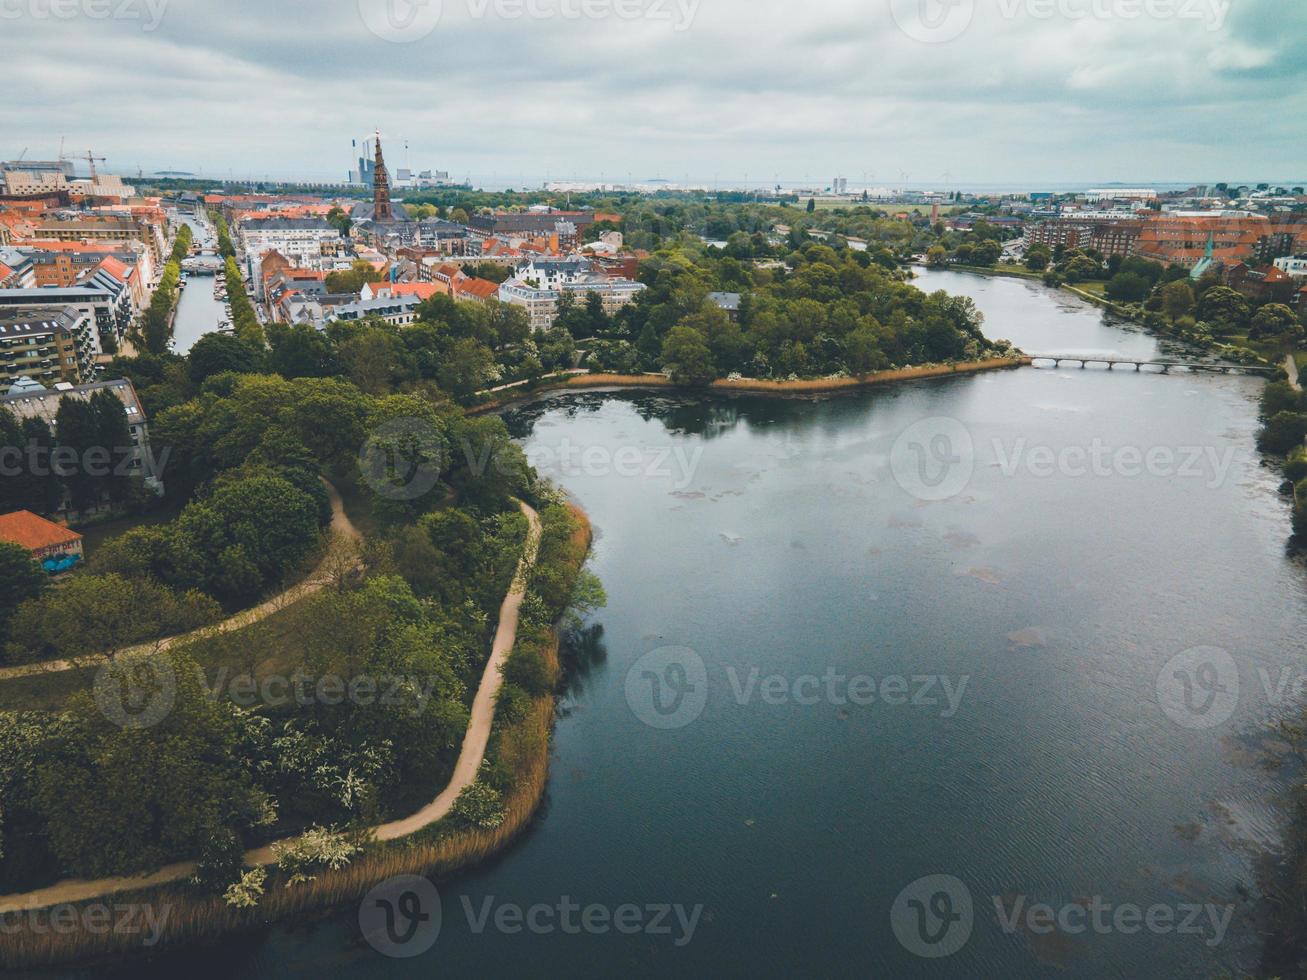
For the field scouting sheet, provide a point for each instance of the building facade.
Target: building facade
(48, 345)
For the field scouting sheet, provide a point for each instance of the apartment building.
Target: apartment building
(108, 308)
(47, 345)
(395, 310)
(28, 401)
(541, 303)
(98, 228)
(300, 240)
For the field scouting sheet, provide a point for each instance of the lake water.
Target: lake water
(1015, 622)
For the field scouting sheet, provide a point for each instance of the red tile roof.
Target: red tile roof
(422, 290)
(119, 270)
(22, 527)
(481, 288)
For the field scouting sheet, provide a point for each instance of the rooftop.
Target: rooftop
(32, 531)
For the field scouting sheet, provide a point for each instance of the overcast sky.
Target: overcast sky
(1011, 91)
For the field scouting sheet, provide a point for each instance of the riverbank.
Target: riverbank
(1012, 272)
(756, 386)
(429, 846)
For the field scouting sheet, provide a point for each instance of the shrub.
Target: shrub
(245, 894)
(479, 805)
(316, 849)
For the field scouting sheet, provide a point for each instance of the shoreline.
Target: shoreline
(756, 386)
(207, 919)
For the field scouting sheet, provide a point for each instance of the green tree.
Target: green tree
(91, 615)
(1224, 309)
(987, 252)
(215, 353)
(687, 357)
(113, 433)
(1275, 320)
(1079, 268)
(1127, 287)
(300, 351)
(468, 367)
(1177, 298)
(1282, 432)
(353, 279)
(1038, 257)
(863, 353)
(79, 447)
(116, 799)
(21, 580)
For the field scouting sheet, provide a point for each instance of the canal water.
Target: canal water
(198, 312)
(960, 678)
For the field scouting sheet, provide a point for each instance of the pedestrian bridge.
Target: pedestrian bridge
(204, 265)
(1159, 366)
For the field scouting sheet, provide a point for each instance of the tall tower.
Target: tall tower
(380, 187)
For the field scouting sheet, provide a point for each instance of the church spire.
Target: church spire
(381, 210)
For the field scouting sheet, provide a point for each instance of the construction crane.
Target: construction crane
(91, 160)
(21, 155)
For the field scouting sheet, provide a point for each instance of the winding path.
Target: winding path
(465, 770)
(341, 525)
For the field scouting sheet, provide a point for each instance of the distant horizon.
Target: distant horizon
(496, 182)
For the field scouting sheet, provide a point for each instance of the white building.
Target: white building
(550, 273)
(299, 239)
(1121, 194)
(1295, 266)
(541, 304)
(395, 310)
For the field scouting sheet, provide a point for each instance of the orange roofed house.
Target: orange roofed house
(44, 540)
